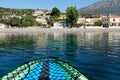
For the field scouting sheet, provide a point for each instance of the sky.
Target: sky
(45, 4)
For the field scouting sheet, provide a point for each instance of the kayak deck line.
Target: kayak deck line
(45, 69)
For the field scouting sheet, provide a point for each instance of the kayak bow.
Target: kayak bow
(45, 69)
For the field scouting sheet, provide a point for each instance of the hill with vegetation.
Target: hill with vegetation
(19, 12)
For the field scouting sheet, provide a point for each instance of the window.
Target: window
(119, 24)
(113, 24)
(113, 19)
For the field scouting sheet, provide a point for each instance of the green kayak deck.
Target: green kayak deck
(45, 69)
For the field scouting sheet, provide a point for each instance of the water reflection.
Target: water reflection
(54, 42)
(95, 54)
(17, 42)
(71, 42)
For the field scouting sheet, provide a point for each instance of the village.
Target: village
(94, 21)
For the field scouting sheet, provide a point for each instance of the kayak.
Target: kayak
(45, 69)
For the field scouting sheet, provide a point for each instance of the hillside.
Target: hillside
(103, 7)
(8, 11)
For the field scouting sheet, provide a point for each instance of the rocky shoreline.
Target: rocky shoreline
(64, 30)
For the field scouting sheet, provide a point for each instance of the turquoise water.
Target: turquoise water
(96, 55)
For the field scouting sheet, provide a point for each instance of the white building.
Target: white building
(89, 21)
(42, 16)
(2, 26)
(42, 19)
(38, 12)
(93, 19)
(41, 12)
(114, 20)
(9, 16)
(59, 25)
(81, 20)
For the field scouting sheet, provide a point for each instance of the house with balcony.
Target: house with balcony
(42, 16)
(42, 19)
(114, 21)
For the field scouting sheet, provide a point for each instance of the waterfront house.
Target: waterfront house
(59, 25)
(114, 20)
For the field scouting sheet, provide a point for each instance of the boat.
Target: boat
(45, 69)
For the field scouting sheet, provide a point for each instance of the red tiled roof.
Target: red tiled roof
(114, 16)
(96, 16)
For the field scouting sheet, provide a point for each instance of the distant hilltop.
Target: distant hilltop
(103, 7)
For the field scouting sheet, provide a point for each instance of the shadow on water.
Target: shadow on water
(95, 54)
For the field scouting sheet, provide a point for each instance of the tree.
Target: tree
(55, 12)
(50, 21)
(27, 21)
(54, 16)
(72, 15)
(12, 21)
(98, 23)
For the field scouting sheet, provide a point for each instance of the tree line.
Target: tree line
(24, 21)
(27, 19)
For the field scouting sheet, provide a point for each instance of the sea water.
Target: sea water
(95, 54)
